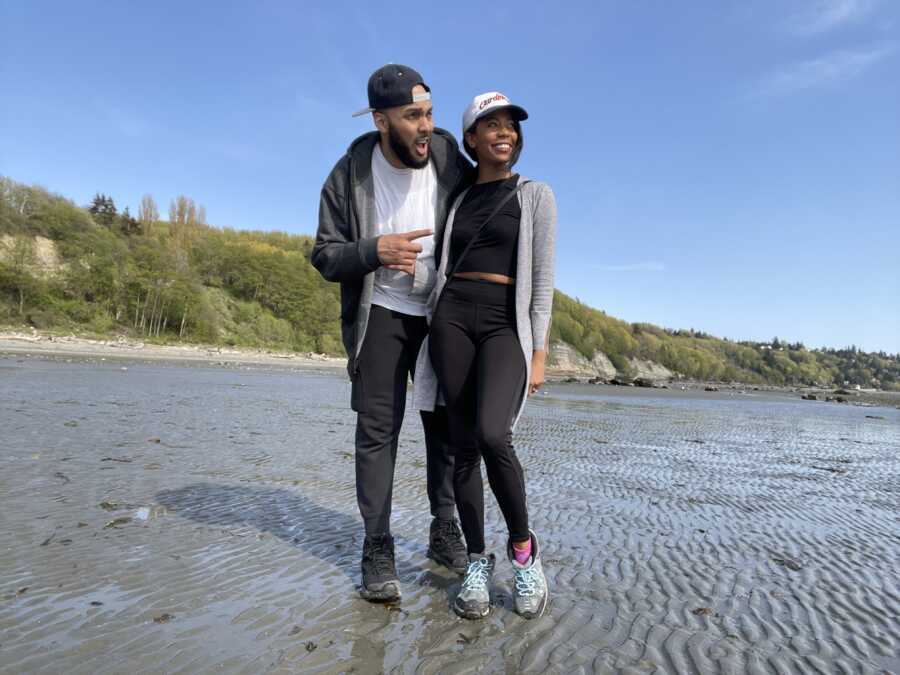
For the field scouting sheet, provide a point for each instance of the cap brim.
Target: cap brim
(518, 113)
(365, 111)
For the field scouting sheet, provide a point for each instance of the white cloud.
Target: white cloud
(826, 15)
(633, 267)
(834, 67)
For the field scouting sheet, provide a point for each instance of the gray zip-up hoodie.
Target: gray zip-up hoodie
(535, 267)
(346, 248)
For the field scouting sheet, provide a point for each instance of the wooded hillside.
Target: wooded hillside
(103, 271)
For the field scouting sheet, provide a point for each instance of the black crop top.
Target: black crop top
(496, 247)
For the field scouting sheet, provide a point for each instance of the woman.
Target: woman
(488, 341)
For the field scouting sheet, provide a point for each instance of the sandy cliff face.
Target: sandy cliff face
(566, 361)
(40, 253)
(603, 366)
(650, 370)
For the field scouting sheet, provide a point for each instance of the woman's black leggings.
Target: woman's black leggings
(475, 349)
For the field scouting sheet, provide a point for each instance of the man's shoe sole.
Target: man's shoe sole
(386, 592)
(441, 560)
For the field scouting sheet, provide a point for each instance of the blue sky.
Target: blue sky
(728, 166)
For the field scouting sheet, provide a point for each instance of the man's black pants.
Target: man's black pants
(386, 361)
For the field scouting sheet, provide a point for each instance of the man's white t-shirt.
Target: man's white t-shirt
(405, 200)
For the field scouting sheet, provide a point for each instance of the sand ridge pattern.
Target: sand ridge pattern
(166, 518)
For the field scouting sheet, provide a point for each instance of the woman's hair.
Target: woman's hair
(520, 141)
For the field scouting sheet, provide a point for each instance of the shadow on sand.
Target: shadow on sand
(317, 530)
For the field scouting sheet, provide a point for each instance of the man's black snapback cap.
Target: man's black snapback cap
(392, 85)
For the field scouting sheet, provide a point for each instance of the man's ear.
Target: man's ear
(381, 121)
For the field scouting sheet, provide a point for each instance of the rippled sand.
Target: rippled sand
(172, 519)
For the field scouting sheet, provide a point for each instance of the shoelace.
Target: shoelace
(476, 574)
(380, 557)
(527, 581)
(448, 531)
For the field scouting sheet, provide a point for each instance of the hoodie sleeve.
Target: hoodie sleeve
(543, 252)
(336, 255)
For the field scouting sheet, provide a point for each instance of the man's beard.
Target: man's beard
(404, 153)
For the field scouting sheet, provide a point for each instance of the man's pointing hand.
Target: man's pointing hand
(399, 251)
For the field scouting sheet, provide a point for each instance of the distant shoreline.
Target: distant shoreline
(70, 347)
(866, 398)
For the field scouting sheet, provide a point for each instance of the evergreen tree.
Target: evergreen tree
(127, 224)
(103, 209)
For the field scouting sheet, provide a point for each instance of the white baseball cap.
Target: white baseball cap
(489, 102)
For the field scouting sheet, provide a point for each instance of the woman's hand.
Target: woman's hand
(537, 372)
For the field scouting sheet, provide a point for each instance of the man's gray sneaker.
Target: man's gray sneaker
(531, 594)
(379, 576)
(445, 545)
(474, 599)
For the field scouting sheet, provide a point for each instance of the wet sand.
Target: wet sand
(163, 518)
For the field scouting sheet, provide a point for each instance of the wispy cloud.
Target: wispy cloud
(633, 267)
(826, 15)
(837, 66)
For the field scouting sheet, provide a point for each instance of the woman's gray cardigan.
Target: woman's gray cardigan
(534, 286)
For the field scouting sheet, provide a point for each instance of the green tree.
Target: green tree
(129, 226)
(103, 209)
(148, 214)
(16, 273)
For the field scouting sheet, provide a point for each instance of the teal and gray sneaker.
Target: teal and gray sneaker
(531, 594)
(474, 599)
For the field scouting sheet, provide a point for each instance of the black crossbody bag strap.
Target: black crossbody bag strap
(512, 193)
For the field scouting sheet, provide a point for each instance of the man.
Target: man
(381, 208)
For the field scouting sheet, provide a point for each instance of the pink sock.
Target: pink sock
(522, 555)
